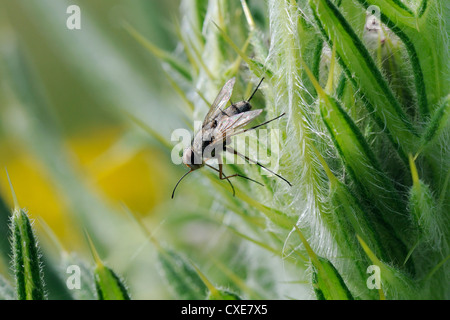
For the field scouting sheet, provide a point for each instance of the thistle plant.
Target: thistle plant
(365, 88)
(30, 278)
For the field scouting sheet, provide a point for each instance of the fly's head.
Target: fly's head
(193, 160)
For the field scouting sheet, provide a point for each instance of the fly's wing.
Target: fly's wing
(220, 101)
(228, 124)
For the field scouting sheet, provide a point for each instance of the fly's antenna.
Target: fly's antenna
(184, 175)
(255, 89)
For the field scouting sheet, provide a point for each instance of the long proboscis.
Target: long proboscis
(184, 175)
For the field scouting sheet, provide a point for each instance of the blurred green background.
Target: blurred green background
(75, 158)
(75, 111)
(86, 119)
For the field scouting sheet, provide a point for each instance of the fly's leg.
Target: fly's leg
(259, 125)
(231, 150)
(222, 176)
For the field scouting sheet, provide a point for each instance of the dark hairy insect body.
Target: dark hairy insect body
(218, 127)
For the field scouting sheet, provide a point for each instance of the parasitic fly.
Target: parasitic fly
(219, 126)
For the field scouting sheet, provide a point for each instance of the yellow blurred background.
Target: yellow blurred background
(76, 159)
(133, 177)
(94, 134)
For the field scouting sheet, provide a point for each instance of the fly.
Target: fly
(218, 126)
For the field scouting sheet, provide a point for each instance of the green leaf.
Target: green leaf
(289, 95)
(434, 149)
(362, 72)
(276, 216)
(425, 41)
(372, 184)
(181, 276)
(348, 207)
(346, 219)
(437, 122)
(393, 281)
(215, 293)
(108, 284)
(391, 11)
(26, 258)
(327, 282)
(221, 294)
(422, 206)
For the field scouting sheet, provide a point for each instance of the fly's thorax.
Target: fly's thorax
(243, 106)
(208, 143)
(238, 107)
(192, 158)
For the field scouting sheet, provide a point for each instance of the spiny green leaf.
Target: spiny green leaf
(362, 72)
(108, 284)
(393, 281)
(437, 122)
(181, 276)
(290, 95)
(422, 206)
(222, 294)
(327, 282)
(364, 168)
(425, 41)
(238, 281)
(347, 208)
(215, 293)
(26, 259)
(404, 17)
